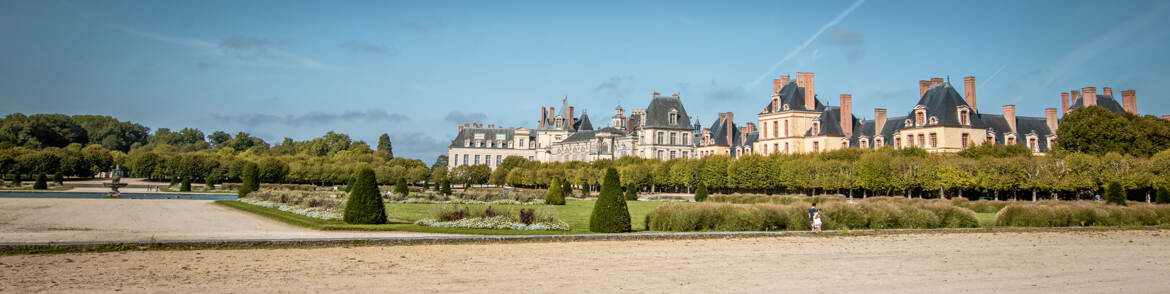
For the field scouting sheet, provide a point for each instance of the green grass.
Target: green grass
(198, 191)
(30, 188)
(986, 219)
(574, 212)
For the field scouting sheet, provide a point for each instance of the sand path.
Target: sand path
(58, 220)
(1050, 262)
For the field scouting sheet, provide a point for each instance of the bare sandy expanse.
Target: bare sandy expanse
(57, 220)
(1063, 262)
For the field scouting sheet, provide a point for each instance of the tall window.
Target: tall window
(920, 117)
(963, 118)
(673, 116)
(672, 138)
(661, 154)
(816, 129)
(897, 142)
(673, 153)
(1032, 144)
(456, 159)
(786, 128)
(966, 140)
(786, 148)
(816, 147)
(464, 159)
(499, 159)
(685, 154)
(477, 160)
(659, 138)
(933, 140)
(921, 140)
(774, 127)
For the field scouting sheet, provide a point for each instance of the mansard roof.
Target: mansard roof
(793, 96)
(489, 134)
(719, 131)
(942, 102)
(658, 114)
(830, 121)
(1105, 101)
(586, 135)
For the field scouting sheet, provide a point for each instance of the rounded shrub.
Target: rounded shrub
(566, 189)
(364, 205)
(631, 192)
(400, 187)
(209, 182)
(16, 180)
(554, 196)
(1115, 194)
(59, 179)
(701, 193)
(185, 185)
(1163, 196)
(610, 214)
(251, 179)
(41, 182)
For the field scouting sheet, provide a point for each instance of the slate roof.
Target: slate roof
(1025, 125)
(792, 95)
(830, 121)
(719, 132)
(583, 124)
(591, 134)
(658, 114)
(489, 135)
(942, 102)
(1105, 101)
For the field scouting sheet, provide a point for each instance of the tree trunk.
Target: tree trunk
(1034, 194)
(996, 195)
(942, 193)
(1147, 196)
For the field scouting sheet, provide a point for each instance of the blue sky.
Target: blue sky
(416, 70)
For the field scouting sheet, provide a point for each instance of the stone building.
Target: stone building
(795, 121)
(661, 130)
(725, 138)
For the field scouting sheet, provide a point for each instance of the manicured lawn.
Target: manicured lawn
(986, 219)
(574, 212)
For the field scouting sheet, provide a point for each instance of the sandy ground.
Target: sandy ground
(56, 220)
(1061, 262)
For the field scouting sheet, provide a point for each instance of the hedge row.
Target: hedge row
(835, 216)
(1081, 213)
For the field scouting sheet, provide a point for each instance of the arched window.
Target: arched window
(933, 120)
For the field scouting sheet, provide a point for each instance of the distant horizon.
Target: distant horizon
(418, 70)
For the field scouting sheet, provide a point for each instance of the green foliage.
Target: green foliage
(400, 187)
(1115, 194)
(185, 186)
(349, 183)
(251, 179)
(874, 214)
(631, 192)
(566, 189)
(210, 181)
(996, 151)
(272, 170)
(555, 194)
(16, 179)
(1163, 196)
(1081, 213)
(1098, 131)
(610, 214)
(40, 184)
(59, 178)
(385, 146)
(365, 204)
(446, 190)
(701, 193)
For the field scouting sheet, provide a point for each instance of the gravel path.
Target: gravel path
(1133, 261)
(59, 220)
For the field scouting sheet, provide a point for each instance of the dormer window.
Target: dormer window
(877, 142)
(908, 122)
(920, 117)
(816, 128)
(964, 117)
(674, 116)
(466, 142)
(933, 120)
(785, 106)
(864, 143)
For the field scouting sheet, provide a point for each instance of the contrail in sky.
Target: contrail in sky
(992, 77)
(807, 42)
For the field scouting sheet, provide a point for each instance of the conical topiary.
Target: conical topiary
(566, 189)
(250, 178)
(16, 180)
(701, 193)
(1115, 194)
(400, 187)
(446, 190)
(631, 192)
(610, 214)
(364, 205)
(59, 179)
(349, 183)
(185, 185)
(41, 184)
(1163, 196)
(554, 196)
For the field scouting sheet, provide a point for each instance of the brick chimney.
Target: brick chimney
(543, 116)
(1090, 94)
(729, 126)
(936, 81)
(879, 120)
(629, 124)
(1107, 91)
(923, 85)
(784, 79)
(1129, 101)
(969, 86)
(570, 117)
(1073, 98)
(1064, 103)
(748, 128)
(552, 112)
(1050, 119)
(460, 128)
(656, 94)
(807, 81)
(675, 95)
(1009, 114)
(847, 115)
(777, 84)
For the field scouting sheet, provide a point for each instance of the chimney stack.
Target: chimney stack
(1009, 114)
(460, 128)
(1064, 103)
(1107, 91)
(570, 117)
(1129, 101)
(879, 120)
(923, 85)
(807, 81)
(552, 112)
(656, 94)
(749, 127)
(847, 115)
(1073, 98)
(1090, 94)
(1050, 119)
(936, 82)
(777, 84)
(675, 95)
(969, 86)
(784, 79)
(730, 122)
(543, 116)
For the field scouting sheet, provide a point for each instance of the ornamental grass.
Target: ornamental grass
(836, 215)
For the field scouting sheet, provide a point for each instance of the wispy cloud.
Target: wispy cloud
(311, 118)
(804, 45)
(992, 77)
(617, 86)
(848, 40)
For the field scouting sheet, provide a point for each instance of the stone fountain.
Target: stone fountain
(115, 183)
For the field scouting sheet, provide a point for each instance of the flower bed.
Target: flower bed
(488, 217)
(312, 212)
(316, 204)
(470, 197)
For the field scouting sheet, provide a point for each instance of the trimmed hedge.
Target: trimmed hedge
(1081, 214)
(555, 196)
(610, 214)
(365, 205)
(400, 187)
(566, 188)
(710, 216)
(1163, 196)
(41, 182)
(701, 193)
(631, 192)
(1115, 194)
(251, 179)
(185, 184)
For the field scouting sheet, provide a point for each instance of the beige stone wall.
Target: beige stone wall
(949, 138)
(455, 156)
(704, 151)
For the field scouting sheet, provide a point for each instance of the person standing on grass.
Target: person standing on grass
(811, 214)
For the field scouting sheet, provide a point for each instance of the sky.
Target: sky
(417, 70)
